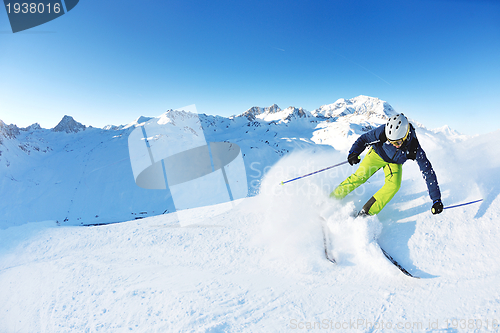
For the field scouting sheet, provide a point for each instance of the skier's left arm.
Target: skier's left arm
(431, 180)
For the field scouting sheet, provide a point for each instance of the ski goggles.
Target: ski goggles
(399, 142)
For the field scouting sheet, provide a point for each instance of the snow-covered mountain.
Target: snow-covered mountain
(363, 106)
(76, 174)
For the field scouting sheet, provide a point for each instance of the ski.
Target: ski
(401, 268)
(362, 214)
(330, 258)
(325, 243)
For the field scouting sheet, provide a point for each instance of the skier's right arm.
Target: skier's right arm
(365, 140)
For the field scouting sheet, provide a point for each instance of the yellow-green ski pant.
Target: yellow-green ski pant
(369, 165)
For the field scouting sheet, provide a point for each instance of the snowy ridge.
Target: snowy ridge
(138, 122)
(254, 112)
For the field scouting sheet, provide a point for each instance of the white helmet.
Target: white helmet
(397, 127)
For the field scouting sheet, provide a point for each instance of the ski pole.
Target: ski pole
(464, 204)
(312, 173)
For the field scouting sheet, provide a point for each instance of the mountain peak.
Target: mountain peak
(69, 125)
(33, 127)
(361, 105)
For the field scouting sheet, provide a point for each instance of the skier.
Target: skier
(392, 145)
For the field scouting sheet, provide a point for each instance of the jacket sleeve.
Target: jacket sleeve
(428, 174)
(368, 138)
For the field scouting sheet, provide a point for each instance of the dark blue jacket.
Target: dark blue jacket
(409, 150)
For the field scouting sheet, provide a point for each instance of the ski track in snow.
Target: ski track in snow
(261, 267)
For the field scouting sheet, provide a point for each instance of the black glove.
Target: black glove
(353, 158)
(437, 207)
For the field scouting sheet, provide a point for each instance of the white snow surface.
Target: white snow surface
(260, 267)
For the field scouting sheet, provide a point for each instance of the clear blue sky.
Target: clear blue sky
(110, 61)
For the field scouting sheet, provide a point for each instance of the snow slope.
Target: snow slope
(261, 268)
